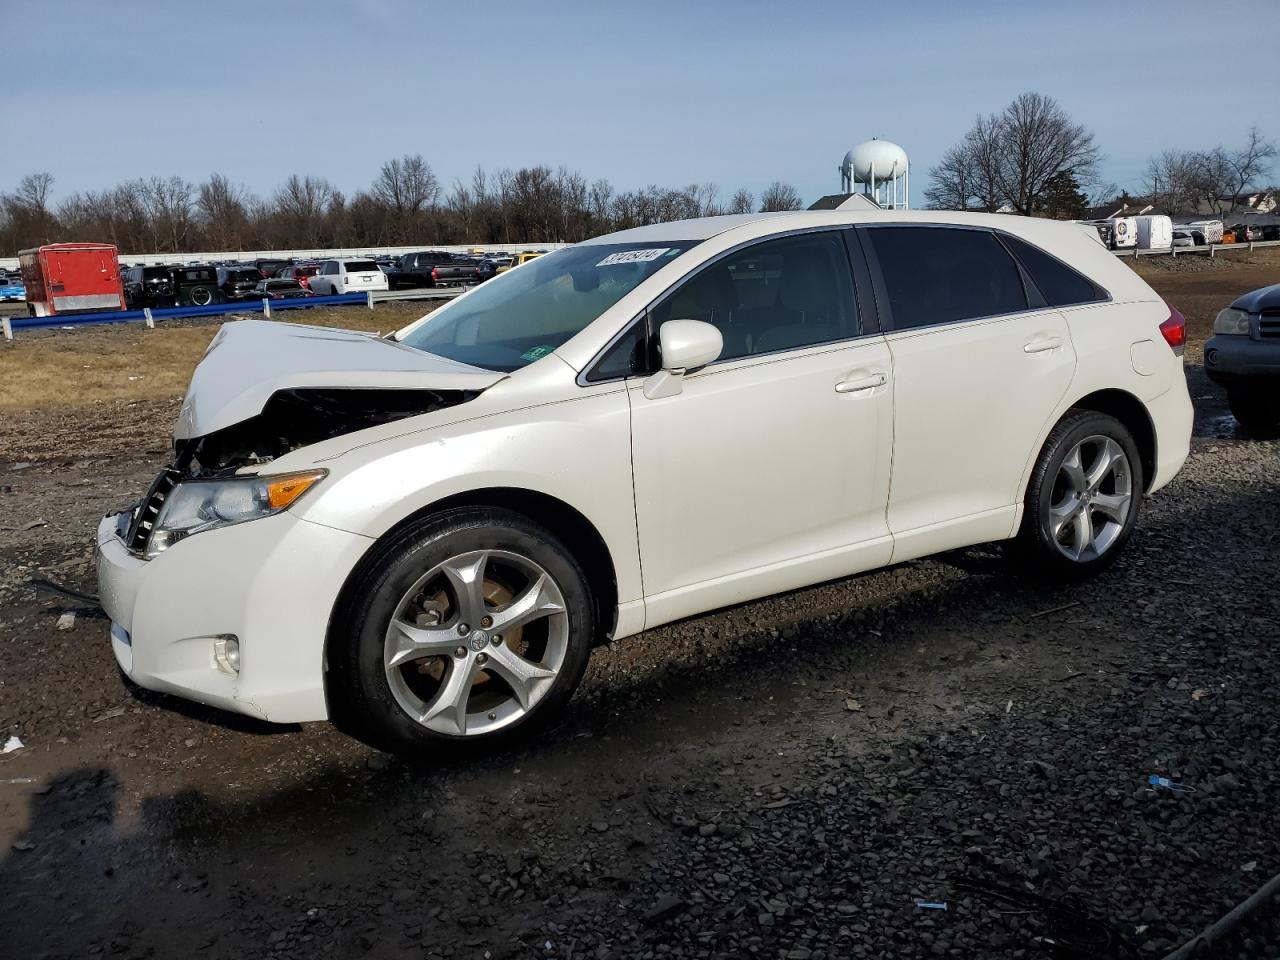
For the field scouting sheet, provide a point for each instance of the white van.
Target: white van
(1154, 232)
(1124, 232)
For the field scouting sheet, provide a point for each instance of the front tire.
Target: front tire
(1084, 497)
(1256, 410)
(471, 627)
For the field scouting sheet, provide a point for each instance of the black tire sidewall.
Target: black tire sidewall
(1035, 534)
(367, 705)
(1257, 411)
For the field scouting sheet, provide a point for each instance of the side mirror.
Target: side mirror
(686, 345)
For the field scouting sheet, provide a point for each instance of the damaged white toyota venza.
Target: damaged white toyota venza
(423, 536)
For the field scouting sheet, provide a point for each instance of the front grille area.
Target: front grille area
(1269, 324)
(144, 517)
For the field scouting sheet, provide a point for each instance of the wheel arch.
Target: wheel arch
(1133, 413)
(565, 521)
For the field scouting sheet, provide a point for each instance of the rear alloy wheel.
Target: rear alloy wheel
(1084, 496)
(471, 627)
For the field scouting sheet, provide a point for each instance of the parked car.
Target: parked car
(414, 269)
(492, 265)
(1243, 355)
(432, 267)
(270, 266)
(1245, 234)
(347, 276)
(423, 536)
(302, 272)
(1271, 231)
(148, 287)
(196, 286)
(1228, 236)
(11, 288)
(281, 289)
(1183, 238)
(1105, 231)
(238, 282)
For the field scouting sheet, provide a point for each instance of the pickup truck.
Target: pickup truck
(432, 267)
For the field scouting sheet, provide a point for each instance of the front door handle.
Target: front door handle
(1042, 344)
(860, 380)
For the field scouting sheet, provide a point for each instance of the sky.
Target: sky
(736, 93)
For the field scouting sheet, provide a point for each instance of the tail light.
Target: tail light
(435, 274)
(1174, 330)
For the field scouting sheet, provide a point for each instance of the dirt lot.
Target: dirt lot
(782, 779)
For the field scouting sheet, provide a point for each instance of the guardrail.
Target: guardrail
(149, 316)
(1208, 249)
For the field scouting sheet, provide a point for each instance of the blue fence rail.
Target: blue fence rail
(266, 307)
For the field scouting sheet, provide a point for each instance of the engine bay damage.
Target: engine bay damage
(300, 417)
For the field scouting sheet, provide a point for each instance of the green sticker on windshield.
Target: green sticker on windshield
(536, 353)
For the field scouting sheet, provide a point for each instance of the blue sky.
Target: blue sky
(737, 93)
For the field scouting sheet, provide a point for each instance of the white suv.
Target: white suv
(347, 276)
(423, 536)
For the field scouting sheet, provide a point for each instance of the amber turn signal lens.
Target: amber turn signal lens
(282, 491)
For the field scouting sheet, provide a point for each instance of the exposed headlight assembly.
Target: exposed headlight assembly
(195, 506)
(1232, 321)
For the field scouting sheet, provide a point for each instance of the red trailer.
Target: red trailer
(71, 278)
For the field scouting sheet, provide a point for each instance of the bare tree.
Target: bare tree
(1249, 164)
(407, 186)
(779, 196)
(742, 202)
(1039, 139)
(1012, 157)
(954, 180)
(224, 212)
(301, 204)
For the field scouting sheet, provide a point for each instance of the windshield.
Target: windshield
(526, 313)
(361, 266)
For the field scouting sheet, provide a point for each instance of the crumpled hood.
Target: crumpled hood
(249, 360)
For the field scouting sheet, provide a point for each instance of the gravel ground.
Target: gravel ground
(783, 779)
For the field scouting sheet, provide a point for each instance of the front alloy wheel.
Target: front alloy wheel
(476, 643)
(470, 626)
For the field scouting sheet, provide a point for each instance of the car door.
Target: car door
(770, 469)
(980, 365)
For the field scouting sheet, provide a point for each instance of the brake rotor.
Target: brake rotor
(436, 610)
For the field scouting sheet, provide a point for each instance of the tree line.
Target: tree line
(404, 205)
(1033, 158)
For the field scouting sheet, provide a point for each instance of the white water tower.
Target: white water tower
(881, 167)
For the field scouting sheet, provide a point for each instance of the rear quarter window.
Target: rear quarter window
(938, 275)
(1061, 285)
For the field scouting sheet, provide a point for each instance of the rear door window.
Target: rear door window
(938, 275)
(1061, 285)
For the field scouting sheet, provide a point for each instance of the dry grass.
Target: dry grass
(88, 365)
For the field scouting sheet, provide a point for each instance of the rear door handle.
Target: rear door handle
(1042, 344)
(860, 380)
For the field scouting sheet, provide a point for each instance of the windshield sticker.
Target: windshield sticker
(536, 353)
(632, 256)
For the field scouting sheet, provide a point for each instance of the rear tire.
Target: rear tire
(1257, 410)
(1083, 499)
(468, 629)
